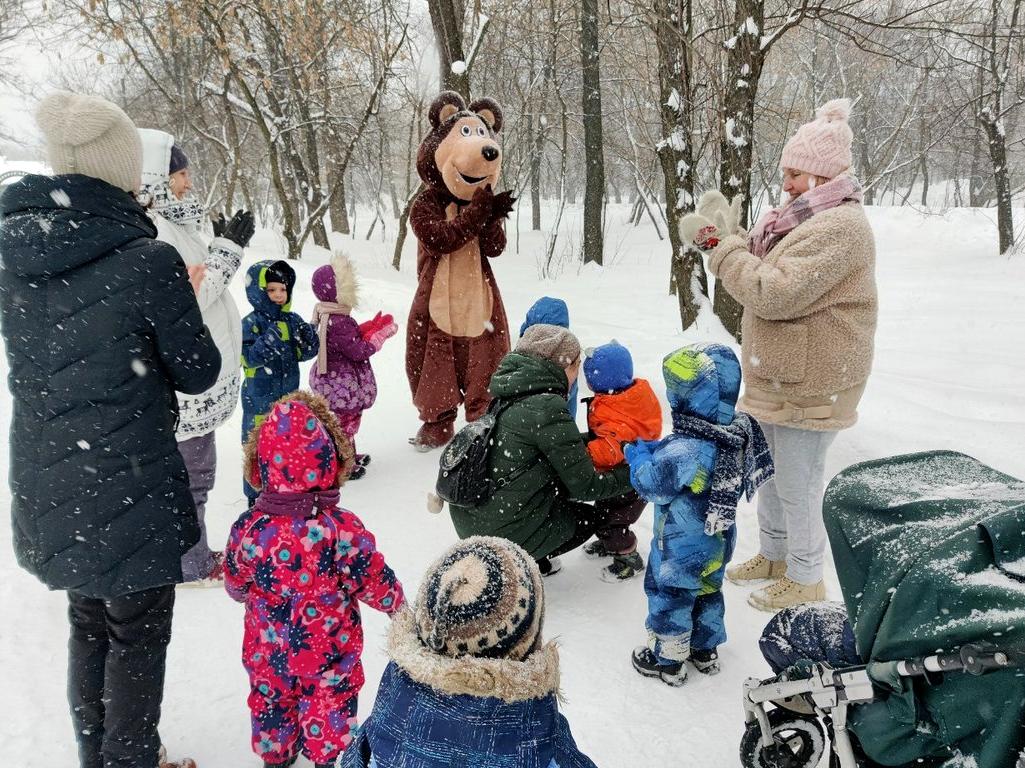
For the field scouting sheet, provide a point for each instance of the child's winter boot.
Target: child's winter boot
(624, 566)
(286, 764)
(596, 550)
(646, 662)
(549, 566)
(706, 662)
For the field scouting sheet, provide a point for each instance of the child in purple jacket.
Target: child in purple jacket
(342, 374)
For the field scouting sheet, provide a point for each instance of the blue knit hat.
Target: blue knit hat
(609, 368)
(179, 160)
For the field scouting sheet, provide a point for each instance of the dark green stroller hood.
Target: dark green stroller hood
(930, 553)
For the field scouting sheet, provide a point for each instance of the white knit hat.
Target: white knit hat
(91, 136)
(156, 159)
(823, 146)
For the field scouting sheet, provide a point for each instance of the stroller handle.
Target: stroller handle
(973, 659)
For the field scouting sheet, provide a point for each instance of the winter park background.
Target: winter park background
(948, 363)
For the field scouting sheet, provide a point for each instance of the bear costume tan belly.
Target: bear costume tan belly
(461, 299)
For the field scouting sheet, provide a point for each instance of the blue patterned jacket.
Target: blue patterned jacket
(434, 711)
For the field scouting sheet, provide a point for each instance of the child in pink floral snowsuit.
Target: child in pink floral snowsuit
(342, 374)
(301, 564)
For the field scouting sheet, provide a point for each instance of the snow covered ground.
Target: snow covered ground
(948, 374)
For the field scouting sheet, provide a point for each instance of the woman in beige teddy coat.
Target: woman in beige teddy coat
(805, 276)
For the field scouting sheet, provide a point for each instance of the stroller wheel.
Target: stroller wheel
(798, 742)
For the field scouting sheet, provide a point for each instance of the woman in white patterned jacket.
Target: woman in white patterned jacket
(167, 188)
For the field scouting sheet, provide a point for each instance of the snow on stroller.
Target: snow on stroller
(930, 669)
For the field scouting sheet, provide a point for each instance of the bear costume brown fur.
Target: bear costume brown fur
(457, 331)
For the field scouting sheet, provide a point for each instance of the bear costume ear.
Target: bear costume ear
(489, 110)
(445, 105)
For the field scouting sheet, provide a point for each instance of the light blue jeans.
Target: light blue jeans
(790, 505)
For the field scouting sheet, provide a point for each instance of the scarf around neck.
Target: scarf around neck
(742, 463)
(296, 504)
(322, 312)
(779, 222)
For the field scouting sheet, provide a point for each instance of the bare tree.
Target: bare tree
(594, 190)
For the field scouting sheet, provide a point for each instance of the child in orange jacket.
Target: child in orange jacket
(622, 410)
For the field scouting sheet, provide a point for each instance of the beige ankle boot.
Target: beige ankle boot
(758, 568)
(786, 593)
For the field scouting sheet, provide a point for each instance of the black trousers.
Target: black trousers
(116, 659)
(589, 519)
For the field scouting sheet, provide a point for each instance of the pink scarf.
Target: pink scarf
(779, 222)
(322, 312)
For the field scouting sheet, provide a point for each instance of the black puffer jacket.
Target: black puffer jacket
(101, 327)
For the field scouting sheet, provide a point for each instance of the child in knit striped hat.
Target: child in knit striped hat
(470, 681)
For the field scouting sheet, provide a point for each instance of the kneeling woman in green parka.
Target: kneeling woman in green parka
(542, 472)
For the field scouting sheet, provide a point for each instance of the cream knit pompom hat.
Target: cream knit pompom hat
(91, 136)
(823, 146)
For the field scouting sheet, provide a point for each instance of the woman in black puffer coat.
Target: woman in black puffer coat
(101, 327)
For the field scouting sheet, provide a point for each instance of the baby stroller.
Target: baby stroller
(929, 670)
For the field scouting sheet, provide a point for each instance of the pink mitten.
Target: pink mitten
(381, 335)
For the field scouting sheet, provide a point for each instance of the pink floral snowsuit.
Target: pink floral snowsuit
(301, 564)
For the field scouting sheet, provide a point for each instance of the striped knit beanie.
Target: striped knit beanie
(483, 597)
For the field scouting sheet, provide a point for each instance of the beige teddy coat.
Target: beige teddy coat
(810, 310)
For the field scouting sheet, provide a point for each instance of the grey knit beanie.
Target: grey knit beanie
(549, 342)
(483, 597)
(91, 136)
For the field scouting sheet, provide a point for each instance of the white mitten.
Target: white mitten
(699, 231)
(714, 206)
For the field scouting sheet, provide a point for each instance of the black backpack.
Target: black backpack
(463, 477)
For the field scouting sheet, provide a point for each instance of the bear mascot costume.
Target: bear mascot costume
(457, 331)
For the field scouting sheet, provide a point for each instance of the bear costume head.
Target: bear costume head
(460, 154)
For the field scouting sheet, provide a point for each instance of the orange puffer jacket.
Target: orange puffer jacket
(632, 414)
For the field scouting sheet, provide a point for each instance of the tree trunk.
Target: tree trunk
(1001, 180)
(594, 189)
(744, 61)
(338, 210)
(688, 279)
(447, 21)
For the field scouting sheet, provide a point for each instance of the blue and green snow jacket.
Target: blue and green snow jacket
(274, 341)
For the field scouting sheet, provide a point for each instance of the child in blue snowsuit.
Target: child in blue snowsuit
(695, 477)
(549, 311)
(274, 341)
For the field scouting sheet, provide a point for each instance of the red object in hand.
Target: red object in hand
(375, 324)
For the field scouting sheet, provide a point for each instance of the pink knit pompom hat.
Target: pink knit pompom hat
(823, 146)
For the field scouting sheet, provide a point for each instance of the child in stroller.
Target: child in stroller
(929, 667)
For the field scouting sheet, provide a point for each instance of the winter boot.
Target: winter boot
(706, 662)
(162, 762)
(785, 593)
(549, 566)
(286, 764)
(758, 568)
(624, 566)
(646, 662)
(431, 435)
(596, 550)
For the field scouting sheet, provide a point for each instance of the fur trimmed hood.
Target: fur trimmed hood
(511, 681)
(343, 446)
(336, 282)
